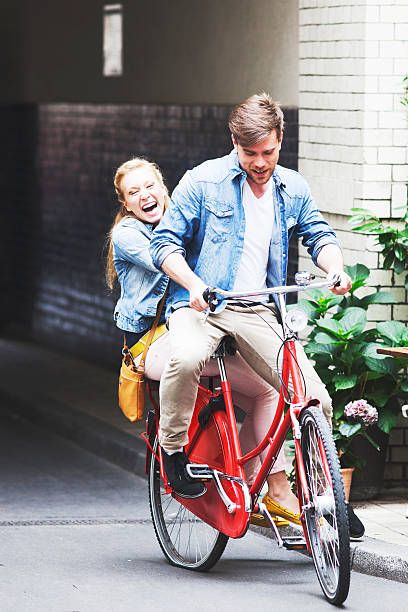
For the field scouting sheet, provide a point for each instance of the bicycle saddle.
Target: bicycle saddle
(226, 347)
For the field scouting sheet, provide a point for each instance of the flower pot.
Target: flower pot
(347, 475)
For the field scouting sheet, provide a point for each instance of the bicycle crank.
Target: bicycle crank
(201, 471)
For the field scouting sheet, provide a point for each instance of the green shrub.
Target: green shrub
(344, 350)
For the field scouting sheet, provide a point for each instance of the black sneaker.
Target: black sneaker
(182, 484)
(356, 527)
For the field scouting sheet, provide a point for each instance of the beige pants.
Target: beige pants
(250, 392)
(194, 337)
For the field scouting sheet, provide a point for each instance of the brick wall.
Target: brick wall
(396, 469)
(58, 204)
(353, 130)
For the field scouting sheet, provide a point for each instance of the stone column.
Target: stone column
(352, 127)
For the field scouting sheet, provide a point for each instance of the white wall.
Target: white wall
(353, 132)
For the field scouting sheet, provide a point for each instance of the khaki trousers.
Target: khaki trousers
(194, 337)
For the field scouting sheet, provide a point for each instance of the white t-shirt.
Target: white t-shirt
(259, 217)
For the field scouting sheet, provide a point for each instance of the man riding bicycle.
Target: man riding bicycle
(229, 226)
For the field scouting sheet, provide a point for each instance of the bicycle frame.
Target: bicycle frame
(226, 506)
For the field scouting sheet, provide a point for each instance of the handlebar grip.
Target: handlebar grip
(335, 280)
(209, 297)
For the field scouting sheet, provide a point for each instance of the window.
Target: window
(112, 40)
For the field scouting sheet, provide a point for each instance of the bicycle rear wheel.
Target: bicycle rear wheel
(185, 540)
(326, 517)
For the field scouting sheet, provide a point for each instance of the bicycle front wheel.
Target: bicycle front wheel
(185, 540)
(326, 516)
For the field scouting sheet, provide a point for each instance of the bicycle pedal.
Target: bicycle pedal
(294, 543)
(200, 471)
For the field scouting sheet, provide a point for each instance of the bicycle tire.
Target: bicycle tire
(326, 519)
(186, 541)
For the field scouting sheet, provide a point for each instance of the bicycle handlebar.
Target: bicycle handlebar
(210, 294)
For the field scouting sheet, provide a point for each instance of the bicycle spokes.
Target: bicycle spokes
(325, 513)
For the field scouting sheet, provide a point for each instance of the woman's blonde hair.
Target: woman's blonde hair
(121, 172)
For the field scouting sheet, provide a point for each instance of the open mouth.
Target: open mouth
(149, 207)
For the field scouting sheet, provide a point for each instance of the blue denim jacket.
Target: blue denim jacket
(141, 285)
(206, 223)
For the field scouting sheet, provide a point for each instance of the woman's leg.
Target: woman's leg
(259, 401)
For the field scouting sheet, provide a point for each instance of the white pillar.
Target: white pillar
(353, 131)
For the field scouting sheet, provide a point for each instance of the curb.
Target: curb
(370, 556)
(380, 559)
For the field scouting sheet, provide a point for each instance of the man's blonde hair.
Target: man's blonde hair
(254, 119)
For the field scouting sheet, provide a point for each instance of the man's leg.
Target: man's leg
(192, 342)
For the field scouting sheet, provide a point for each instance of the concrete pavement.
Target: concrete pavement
(76, 534)
(78, 401)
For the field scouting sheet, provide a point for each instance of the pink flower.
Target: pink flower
(360, 410)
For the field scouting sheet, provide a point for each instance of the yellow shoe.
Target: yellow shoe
(261, 521)
(274, 508)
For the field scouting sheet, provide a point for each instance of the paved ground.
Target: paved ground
(385, 520)
(78, 401)
(76, 535)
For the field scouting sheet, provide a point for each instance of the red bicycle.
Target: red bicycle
(193, 533)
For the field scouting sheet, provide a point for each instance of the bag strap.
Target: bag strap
(126, 352)
(141, 366)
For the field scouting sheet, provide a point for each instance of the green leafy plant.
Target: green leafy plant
(344, 349)
(393, 239)
(404, 99)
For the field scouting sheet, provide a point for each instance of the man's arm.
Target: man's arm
(321, 242)
(175, 230)
(330, 260)
(179, 222)
(179, 271)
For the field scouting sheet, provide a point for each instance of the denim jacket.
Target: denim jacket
(141, 284)
(206, 224)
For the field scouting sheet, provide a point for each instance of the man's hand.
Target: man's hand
(196, 296)
(345, 282)
(330, 260)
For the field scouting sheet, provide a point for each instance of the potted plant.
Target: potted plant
(344, 349)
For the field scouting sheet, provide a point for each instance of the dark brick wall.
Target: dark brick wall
(20, 205)
(396, 469)
(58, 163)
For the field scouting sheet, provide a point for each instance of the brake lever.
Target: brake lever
(211, 299)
